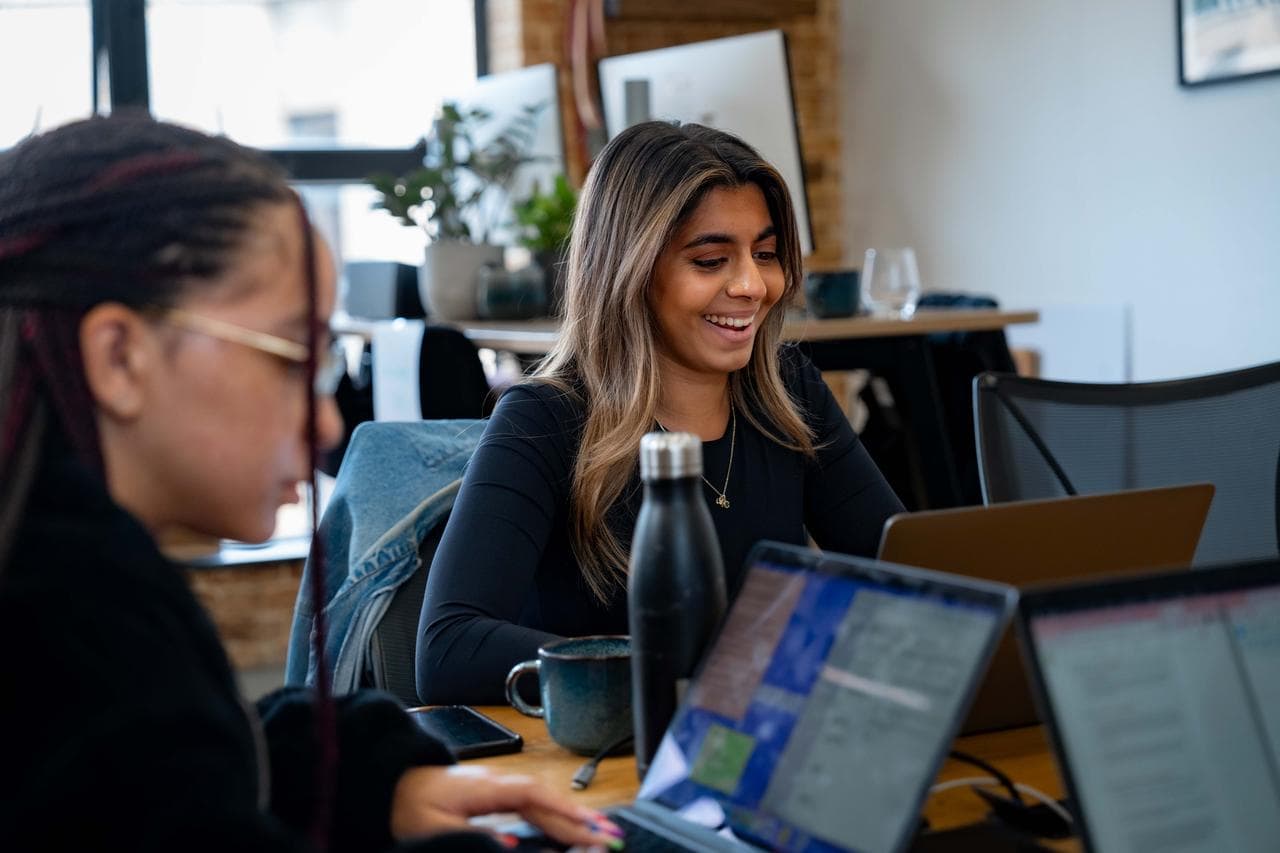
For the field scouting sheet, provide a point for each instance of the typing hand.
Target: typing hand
(441, 799)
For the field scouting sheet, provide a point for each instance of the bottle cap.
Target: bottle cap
(670, 455)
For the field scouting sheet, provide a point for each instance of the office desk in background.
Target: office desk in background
(535, 337)
(1023, 754)
(888, 346)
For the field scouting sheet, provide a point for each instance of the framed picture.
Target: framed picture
(1220, 40)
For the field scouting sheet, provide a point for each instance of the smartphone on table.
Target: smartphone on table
(466, 732)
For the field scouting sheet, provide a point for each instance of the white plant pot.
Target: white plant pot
(447, 278)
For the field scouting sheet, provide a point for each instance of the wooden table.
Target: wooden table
(1023, 754)
(536, 337)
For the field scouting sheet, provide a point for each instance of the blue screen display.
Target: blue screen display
(820, 712)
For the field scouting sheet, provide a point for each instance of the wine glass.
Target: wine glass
(890, 282)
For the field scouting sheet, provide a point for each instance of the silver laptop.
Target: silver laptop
(1057, 539)
(1162, 694)
(821, 714)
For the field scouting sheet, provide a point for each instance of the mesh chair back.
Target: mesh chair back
(393, 650)
(1040, 439)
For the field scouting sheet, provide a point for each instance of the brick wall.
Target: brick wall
(529, 32)
(252, 608)
(505, 30)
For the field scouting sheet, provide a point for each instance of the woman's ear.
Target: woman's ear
(119, 350)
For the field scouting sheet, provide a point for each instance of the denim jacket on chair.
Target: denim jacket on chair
(397, 481)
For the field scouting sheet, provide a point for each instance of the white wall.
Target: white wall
(1042, 151)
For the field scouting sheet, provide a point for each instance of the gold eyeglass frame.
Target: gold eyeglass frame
(329, 366)
(230, 332)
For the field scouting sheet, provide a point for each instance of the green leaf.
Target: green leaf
(451, 151)
(546, 218)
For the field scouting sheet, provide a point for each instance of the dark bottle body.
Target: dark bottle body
(676, 600)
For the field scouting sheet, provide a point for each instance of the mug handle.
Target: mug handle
(513, 695)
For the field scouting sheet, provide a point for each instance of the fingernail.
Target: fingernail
(608, 827)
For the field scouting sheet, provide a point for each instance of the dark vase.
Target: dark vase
(555, 264)
(832, 293)
(502, 295)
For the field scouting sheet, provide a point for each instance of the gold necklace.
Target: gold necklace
(722, 498)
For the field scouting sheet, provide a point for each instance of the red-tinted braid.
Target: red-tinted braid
(12, 247)
(326, 719)
(54, 338)
(159, 163)
(17, 412)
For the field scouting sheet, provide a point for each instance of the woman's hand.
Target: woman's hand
(441, 799)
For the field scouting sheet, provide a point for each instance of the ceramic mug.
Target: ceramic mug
(585, 687)
(832, 294)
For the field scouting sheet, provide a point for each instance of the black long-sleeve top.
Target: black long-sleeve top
(504, 579)
(120, 724)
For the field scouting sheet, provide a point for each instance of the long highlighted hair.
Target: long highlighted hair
(642, 187)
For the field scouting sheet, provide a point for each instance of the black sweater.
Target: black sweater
(120, 724)
(504, 579)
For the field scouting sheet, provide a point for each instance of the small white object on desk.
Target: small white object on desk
(397, 347)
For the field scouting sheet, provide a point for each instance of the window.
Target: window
(309, 73)
(45, 63)
(336, 88)
(327, 79)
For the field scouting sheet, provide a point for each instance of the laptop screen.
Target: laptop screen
(1165, 702)
(824, 708)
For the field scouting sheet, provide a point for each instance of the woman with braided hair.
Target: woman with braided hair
(162, 363)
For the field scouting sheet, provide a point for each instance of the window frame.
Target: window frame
(120, 48)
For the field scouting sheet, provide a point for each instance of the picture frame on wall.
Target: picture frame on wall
(1222, 40)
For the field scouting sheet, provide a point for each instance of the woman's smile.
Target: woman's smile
(733, 330)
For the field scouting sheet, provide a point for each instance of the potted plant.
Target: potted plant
(451, 196)
(544, 220)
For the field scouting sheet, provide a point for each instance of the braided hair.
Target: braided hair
(130, 210)
(120, 209)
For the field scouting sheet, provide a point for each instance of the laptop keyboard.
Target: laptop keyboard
(637, 838)
(641, 840)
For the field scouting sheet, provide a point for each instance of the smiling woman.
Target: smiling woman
(684, 253)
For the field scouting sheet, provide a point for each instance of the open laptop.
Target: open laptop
(1046, 540)
(1162, 695)
(823, 710)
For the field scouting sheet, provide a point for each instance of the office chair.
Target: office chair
(393, 494)
(1039, 439)
(451, 385)
(390, 663)
(956, 358)
(451, 380)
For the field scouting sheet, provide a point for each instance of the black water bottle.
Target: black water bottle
(676, 585)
